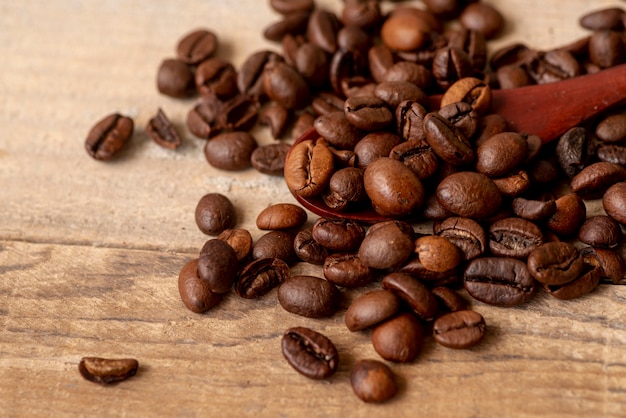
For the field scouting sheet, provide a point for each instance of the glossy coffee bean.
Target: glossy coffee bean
(469, 194)
(281, 216)
(218, 265)
(573, 150)
(395, 92)
(555, 263)
(415, 294)
(514, 237)
(175, 78)
(367, 113)
(611, 263)
(373, 381)
(238, 113)
(291, 24)
(370, 309)
(161, 131)
(462, 116)
(500, 154)
(309, 296)
(338, 234)
(393, 188)
(322, 29)
(388, 246)
(107, 371)
(216, 76)
(284, 85)
(337, 130)
(469, 90)
(449, 300)
(398, 339)
(533, 210)
(612, 129)
(270, 158)
(275, 244)
(309, 250)
(436, 253)
(614, 202)
(250, 74)
(347, 270)
(240, 240)
(460, 329)
(286, 7)
(451, 64)
(600, 231)
(447, 141)
(260, 276)
(606, 48)
(202, 119)
(580, 286)
(197, 46)
(483, 18)
(230, 151)
(465, 233)
(195, 292)
(214, 213)
(595, 178)
(308, 168)
(404, 32)
(498, 281)
(569, 215)
(345, 189)
(310, 353)
(108, 136)
(606, 18)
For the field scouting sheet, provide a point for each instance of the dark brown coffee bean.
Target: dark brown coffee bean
(448, 300)
(465, 233)
(345, 188)
(230, 151)
(409, 72)
(310, 353)
(195, 292)
(510, 55)
(469, 194)
(260, 276)
(436, 253)
(461, 329)
(309, 250)
(484, 18)
(570, 214)
(552, 66)
(500, 154)
(286, 7)
(447, 141)
(291, 24)
(388, 246)
(216, 76)
(367, 113)
(600, 231)
(161, 130)
(573, 150)
(469, 90)
(322, 30)
(393, 188)
(606, 48)
(398, 339)
(612, 128)
(107, 137)
(614, 202)
(240, 240)
(313, 63)
(218, 265)
(612, 153)
(410, 120)
(337, 130)
(347, 270)
(308, 168)
(533, 210)
(370, 309)
(348, 74)
(309, 296)
(303, 123)
(338, 234)
(107, 371)
(461, 115)
(214, 213)
(270, 158)
(285, 85)
(580, 286)
(281, 216)
(595, 178)
(250, 75)
(404, 32)
(555, 263)
(488, 126)
(451, 64)
(353, 38)
(473, 43)
(514, 237)
(364, 14)
(175, 78)
(418, 156)
(413, 292)
(275, 244)
(513, 185)
(202, 119)
(238, 113)
(610, 262)
(380, 59)
(324, 103)
(609, 18)
(498, 281)
(395, 92)
(373, 381)
(513, 76)
(197, 46)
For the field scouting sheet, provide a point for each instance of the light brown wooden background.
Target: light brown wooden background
(90, 251)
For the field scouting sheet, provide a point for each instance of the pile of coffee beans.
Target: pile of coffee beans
(508, 211)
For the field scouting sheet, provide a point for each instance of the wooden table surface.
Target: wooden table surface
(90, 251)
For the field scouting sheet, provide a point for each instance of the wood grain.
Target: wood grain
(90, 251)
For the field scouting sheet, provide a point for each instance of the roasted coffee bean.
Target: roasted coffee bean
(513, 185)
(461, 115)
(574, 150)
(451, 64)
(309, 296)
(580, 286)
(483, 18)
(347, 270)
(606, 48)
(418, 156)
(395, 92)
(238, 113)
(313, 64)
(430, 278)
(498, 281)
(310, 353)
(514, 237)
(303, 123)
(230, 151)
(473, 43)
(161, 130)
(513, 76)
(398, 339)
(322, 30)
(195, 292)
(544, 170)
(411, 72)
(373, 381)
(612, 153)
(600, 231)
(291, 24)
(218, 265)
(107, 371)
(610, 262)
(612, 129)
(270, 158)
(469, 90)
(488, 126)
(388, 246)
(275, 244)
(436, 253)
(214, 213)
(260, 276)
(338, 234)
(404, 32)
(284, 85)
(555, 263)
(281, 216)
(380, 59)
(448, 300)
(609, 18)
(569, 215)
(413, 292)
(347, 74)
(352, 37)
(410, 120)
(308, 168)
(367, 113)
(175, 78)
(345, 188)
(197, 46)
(325, 102)
(533, 210)
(287, 7)
(370, 309)
(309, 250)
(393, 188)
(447, 140)
(500, 154)
(107, 137)
(552, 66)
(469, 194)
(614, 202)
(240, 240)
(595, 178)
(250, 75)
(465, 233)
(202, 119)
(364, 14)
(460, 329)
(216, 76)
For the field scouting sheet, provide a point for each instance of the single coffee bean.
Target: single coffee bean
(552, 66)
(399, 339)
(322, 29)
(309, 296)
(285, 85)
(240, 240)
(347, 74)
(488, 126)
(312, 62)
(291, 24)
(474, 44)
(107, 137)
(175, 78)
(202, 119)
(107, 371)
(239, 113)
(512, 54)
(308, 168)
(470, 90)
(346, 188)
(451, 64)
(415, 294)
(275, 244)
(614, 202)
(161, 130)
(580, 286)
(483, 18)
(395, 92)
(370, 309)
(461, 115)
(533, 210)
(404, 32)
(364, 14)
(465, 233)
(388, 246)
(367, 113)
(338, 234)
(469, 194)
(431, 278)
(230, 151)
(595, 178)
(373, 381)
(418, 156)
(380, 59)
(287, 7)
(250, 74)
(310, 353)
(612, 153)
(514, 237)
(610, 262)
(337, 130)
(218, 264)
(214, 213)
(555, 263)
(612, 129)
(460, 329)
(514, 184)
(260, 276)
(606, 48)
(281, 216)
(309, 250)
(409, 71)
(498, 281)
(500, 154)
(270, 158)
(447, 140)
(195, 292)
(347, 270)
(609, 18)
(448, 300)
(436, 253)
(197, 46)
(410, 120)
(600, 231)
(573, 150)
(570, 214)
(216, 76)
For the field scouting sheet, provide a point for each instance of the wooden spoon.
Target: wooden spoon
(547, 110)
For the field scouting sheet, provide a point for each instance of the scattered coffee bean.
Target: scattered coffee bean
(161, 130)
(214, 213)
(107, 371)
(309, 296)
(310, 353)
(373, 381)
(460, 329)
(107, 137)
